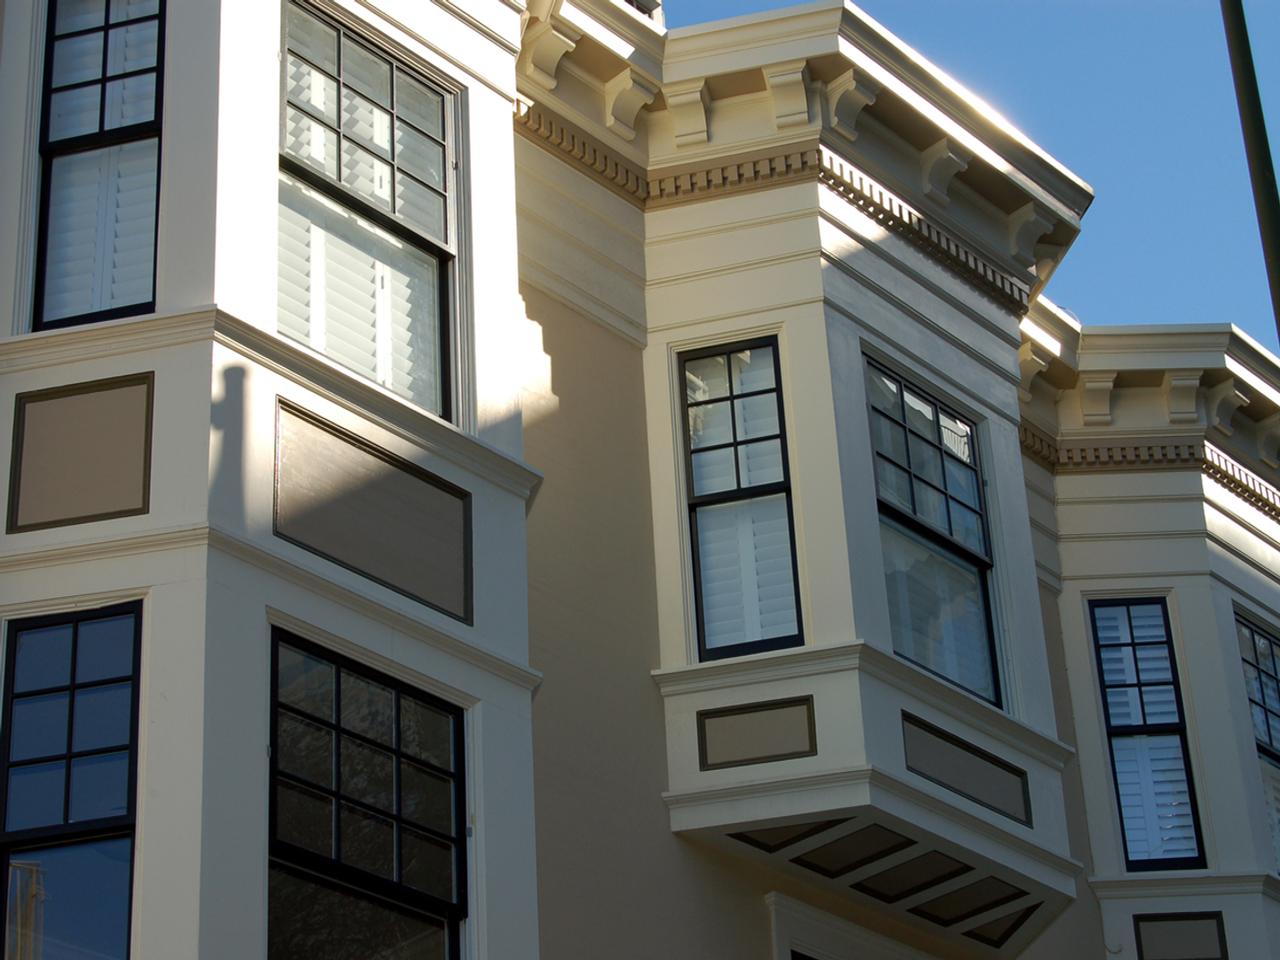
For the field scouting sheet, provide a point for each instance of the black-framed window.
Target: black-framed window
(100, 160)
(367, 220)
(739, 493)
(1147, 734)
(1260, 651)
(933, 532)
(368, 814)
(70, 761)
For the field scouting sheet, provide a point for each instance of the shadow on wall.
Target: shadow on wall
(227, 416)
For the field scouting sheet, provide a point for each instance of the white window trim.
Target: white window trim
(816, 933)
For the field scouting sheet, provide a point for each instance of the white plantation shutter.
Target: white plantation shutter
(358, 295)
(744, 559)
(1155, 801)
(101, 231)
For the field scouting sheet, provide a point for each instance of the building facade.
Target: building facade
(501, 479)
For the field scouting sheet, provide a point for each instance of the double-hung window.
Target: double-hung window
(100, 160)
(368, 820)
(739, 500)
(69, 759)
(1261, 653)
(367, 231)
(1147, 734)
(933, 533)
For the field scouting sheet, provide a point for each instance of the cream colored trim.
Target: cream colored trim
(795, 925)
(895, 214)
(1193, 885)
(563, 139)
(176, 538)
(671, 185)
(1243, 482)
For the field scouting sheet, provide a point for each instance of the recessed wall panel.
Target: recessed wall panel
(1184, 936)
(756, 733)
(81, 453)
(965, 769)
(373, 513)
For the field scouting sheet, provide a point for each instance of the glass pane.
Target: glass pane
(713, 471)
(70, 902)
(931, 505)
(369, 74)
(1153, 663)
(43, 659)
(889, 437)
(752, 370)
(937, 612)
(305, 682)
(306, 749)
(926, 460)
(74, 112)
(1148, 623)
(1155, 802)
(307, 920)
(367, 122)
(132, 47)
(1118, 666)
(420, 105)
(966, 526)
(39, 727)
(309, 88)
(99, 787)
(421, 156)
(706, 379)
(103, 717)
(893, 483)
(104, 649)
(100, 243)
(79, 15)
(884, 394)
(1111, 624)
(368, 774)
(920, 415)
(426, 733)
(1274, 718)
(1123, 705)
(1252, 683)
(304, 818)
(757, 416)
(1260, 724)
(132, 9)
(962, 482)
(745, 572)
(420, 206)
(1270, 692)
(710, 425)
(35, 795)
(311, 141)
(1265, 654)
(426, 798)
(1245, 636)
(76, 59)
(1159, 704)
(956, 437)
(316, 41)
(368, 842)
(760, 463)
(427, 864)
(368, 708)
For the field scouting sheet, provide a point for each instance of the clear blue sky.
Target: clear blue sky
(1134, 96)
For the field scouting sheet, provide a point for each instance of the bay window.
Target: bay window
(366, 231)
(933, 534)
(739, 500)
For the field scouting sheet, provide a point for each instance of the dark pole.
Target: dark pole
(1256, 148)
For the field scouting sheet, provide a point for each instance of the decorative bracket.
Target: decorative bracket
(1033, 360)
(788, 84)
(625, 95)
(1269, 440)
(1027, 225)
(1095, 398)
(689, 102)
(938, 166)
(1221, 402)
(847, 96)
(1180, 388)
(542, 49)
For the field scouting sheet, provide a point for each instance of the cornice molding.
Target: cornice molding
(894, 213)
(565, 140)
(1241, 481)
(668, 186)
